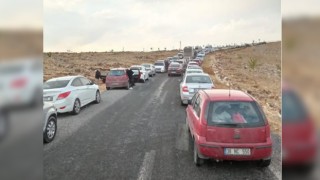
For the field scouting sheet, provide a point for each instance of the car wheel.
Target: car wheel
(264, 163)
(76, 107)
(108, 88)
(51, 129)
(143, 80)
(182, 104)
(169, 75)
(98, 97)
(196, 159)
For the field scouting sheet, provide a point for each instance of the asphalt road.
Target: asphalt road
(138, 134)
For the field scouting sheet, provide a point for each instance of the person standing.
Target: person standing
(130, 76)
(98, 75)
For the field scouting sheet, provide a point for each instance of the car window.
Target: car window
(235, 113)
(55, 84)
(116, 73)
(198, 79)
(197, 107)
(76, 82)
(85, 81)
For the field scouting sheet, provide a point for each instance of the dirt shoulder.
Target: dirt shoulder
(263, 80)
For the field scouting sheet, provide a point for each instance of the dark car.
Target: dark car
(175, 69)
(136, 74)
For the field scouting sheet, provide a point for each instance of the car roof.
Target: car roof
(223, 95)
(198, 74)
(64, 78)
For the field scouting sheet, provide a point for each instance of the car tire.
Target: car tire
(143, 80)
(264, 163)
(76, 107)
(182, 104)
(50, 130)
(98, 97)
(196, 159)
(108, 88)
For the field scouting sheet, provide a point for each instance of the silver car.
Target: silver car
(192, 83)
(50, 122)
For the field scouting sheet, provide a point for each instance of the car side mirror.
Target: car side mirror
(189, 102)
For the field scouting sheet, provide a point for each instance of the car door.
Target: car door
(191, 113)
(79, 90)
(90, 91)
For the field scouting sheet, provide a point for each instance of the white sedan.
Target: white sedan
(70, 93)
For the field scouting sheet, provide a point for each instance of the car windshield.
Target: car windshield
(146, 65)
(194, 71)
(292, 108)
(55, 84)
(235, 113)
(158, 64)
(116, 73)
(198, 79)
(194, 67)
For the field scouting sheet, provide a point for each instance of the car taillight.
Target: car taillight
(63, 95)
(185, 89)
(19, 83)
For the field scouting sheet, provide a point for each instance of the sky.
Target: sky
(136, 25)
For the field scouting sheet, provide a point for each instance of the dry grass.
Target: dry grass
(263, 82)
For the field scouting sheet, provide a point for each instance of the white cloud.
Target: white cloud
(136, 24)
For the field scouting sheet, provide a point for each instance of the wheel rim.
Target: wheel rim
(51, 129)
(98, 98)
(77, 106)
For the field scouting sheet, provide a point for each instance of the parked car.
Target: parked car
(70, 93)
(175, 69)
(191, 83)
(21, 83)
(50, 122)
(136, 75)
(191, 71)
(299, 134)
(144, 73)
(228, 125)
(197, 60)
(150, 69)
(117, 78)
(160, 66)
(193, 63)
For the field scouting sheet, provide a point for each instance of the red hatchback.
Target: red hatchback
(117, 78)
(228, 125)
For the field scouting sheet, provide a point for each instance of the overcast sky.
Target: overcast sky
(102, 25)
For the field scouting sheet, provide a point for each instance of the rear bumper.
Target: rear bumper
(175, 72)
(299, 155)
(117, 84)
(185, 97)
(209, 150)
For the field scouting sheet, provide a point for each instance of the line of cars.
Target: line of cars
(224, 124)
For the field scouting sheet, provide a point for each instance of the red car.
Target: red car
(299, 136)
(228, 125)
(117, 78)
(175, 69)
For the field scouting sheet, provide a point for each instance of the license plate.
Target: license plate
(48, 98)
(173, 72)
(237, 151)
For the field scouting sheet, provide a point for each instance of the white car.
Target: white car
(70, 93)
(192, 83)
(193, 67)
(144, 73)
(160, 66)
(191, 71)
(150, 68)
(21, 83)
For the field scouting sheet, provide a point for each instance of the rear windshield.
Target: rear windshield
(235, 114)
(159, 64)
(116, 73)
(136, 68)
(292, 108)
(174, 65)
(188, 72)
(55, 84)
(198, 79)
